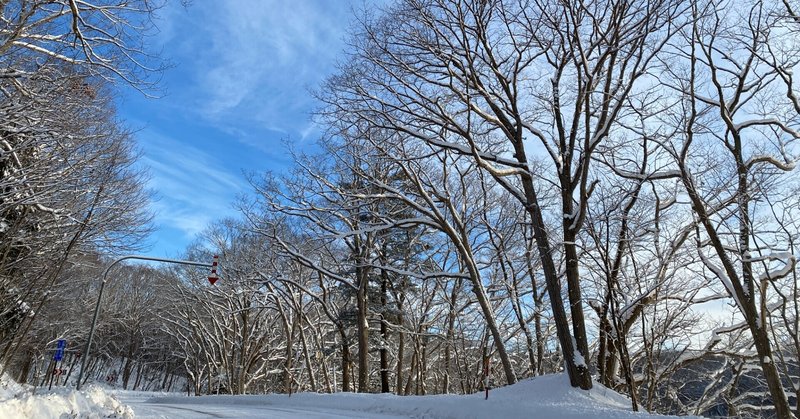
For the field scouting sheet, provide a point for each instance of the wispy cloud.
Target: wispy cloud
(256, 60)
(238, 89)
(193, 188)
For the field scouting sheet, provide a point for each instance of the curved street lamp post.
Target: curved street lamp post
(88, 346)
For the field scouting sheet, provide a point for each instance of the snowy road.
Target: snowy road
(149, 407)
(543, 397)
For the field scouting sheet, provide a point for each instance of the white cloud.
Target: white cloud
(257, 59)
(239, 86)
(193, 187)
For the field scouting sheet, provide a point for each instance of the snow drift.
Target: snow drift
(19, 402)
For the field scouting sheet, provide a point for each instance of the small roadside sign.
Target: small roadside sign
(59, 355)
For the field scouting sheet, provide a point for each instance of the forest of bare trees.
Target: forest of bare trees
(601, 188)
(69, 186)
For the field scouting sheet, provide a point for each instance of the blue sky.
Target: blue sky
(238, 89)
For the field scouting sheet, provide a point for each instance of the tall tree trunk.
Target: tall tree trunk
(362, 328)
(126, 372)
(537, 323)
(288, 328)
(523, 325)
(384, 351)
(488, 313)
(307, 357)
(576, 305)
(606, 354)
(771, 374)
(491, 324)
(423, 368)
(401, 343)
(323, 362)
(139, 373)
(448, 344)
(577, 369)
(411, 373)
(346, 360)
(537, 303)
(166, 377)
(744, 291)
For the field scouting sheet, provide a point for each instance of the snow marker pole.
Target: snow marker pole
(486, 367)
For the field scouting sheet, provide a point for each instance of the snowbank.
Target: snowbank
(18, 402)
(542, 397)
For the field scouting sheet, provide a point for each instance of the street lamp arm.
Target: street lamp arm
(154, 259)
(88, 346)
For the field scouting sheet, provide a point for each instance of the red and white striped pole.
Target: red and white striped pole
(487, 369)
(214, 277)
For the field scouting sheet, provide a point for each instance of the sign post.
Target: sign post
(58, 356)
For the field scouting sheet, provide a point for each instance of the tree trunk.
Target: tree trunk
(411, 373)
(523, 325)
(166, 377)
(449, 337)
(384, 351)
(537, 305)
(743, 290)
(309, 367)
(576, 306)
(139, 372)
(771, 374)
(126, 371)
(488, 315)
(345, 363)
(363, 329)
(400, 348)
(578, 372)
(606, 355)
(22, 378)
(290, 354)
(323, 363)
(423, 368)
(797, 402)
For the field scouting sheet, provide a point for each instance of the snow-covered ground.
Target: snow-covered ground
(542, 397)
(21, 402)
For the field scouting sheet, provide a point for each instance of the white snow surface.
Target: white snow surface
(548, 396)
(21, 402)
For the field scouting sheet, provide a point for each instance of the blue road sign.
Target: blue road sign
(62, 343)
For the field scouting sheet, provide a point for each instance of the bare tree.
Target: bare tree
(104, 38)
(733, 102)
(490, 79)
